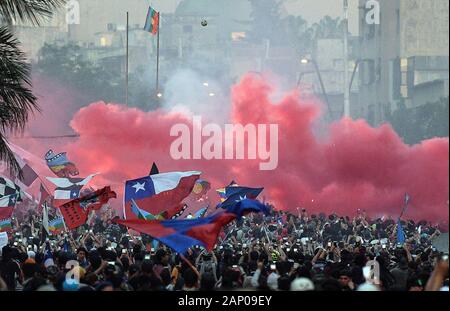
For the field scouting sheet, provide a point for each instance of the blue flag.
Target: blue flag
(180, 235)
(401, 238)
(236, 194)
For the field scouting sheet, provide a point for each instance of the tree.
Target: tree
(267, 22)
(16, 99)
(299, 35)
(328, 28)
(417, 124)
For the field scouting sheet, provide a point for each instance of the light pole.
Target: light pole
(346, 80)
(306, 61)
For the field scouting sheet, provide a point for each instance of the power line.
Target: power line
(46, 137)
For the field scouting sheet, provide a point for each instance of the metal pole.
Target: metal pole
(353, 75)
(346, 83)
(322, 86)
(157, 55)
(126, 63)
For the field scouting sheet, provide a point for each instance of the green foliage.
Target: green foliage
(267, 22)
(34, 11)
(294, 31)
(417, 124)
(101, 81)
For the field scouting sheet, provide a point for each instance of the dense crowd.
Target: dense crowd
(282, 251)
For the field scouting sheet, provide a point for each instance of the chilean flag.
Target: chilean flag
(159, 193)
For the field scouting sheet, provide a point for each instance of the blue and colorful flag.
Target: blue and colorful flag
(222, 192)
(56, 226)
(60, 165)
(5, 225)
(401, 238)
(152, 21)
(235, 194)
(160, 193)
(180, 235)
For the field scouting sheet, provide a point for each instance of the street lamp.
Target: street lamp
(306, 61)
(159, 95)
(205, 84)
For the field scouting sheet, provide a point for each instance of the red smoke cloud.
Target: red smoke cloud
(355, 166)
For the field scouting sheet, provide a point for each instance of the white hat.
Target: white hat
(302, 284)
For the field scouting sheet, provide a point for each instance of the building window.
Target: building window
(102, 41)
(404, 64)
(404, 77)
(237, 36)
(404, 91)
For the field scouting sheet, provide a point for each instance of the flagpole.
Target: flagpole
(405, 207)
(127, 60)
(157, 55)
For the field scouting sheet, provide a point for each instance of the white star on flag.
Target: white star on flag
(241, 198)
(138, 186)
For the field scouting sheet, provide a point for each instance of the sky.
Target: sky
(314, 10)
(311, 10)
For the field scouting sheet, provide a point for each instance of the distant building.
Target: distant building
(406, 54)
(329, 56)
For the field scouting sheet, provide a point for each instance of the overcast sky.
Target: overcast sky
(311, 10)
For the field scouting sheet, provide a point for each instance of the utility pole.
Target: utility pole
(346, 78)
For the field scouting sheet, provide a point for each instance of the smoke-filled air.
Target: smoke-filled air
(350, 166)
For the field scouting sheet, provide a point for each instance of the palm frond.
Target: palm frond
(7, 156)
(16, 98)
(34, 11)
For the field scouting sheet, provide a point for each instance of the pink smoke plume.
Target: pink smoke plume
(355, 166)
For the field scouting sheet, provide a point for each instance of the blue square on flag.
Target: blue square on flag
(12, 200)
(74, 193)
(140, 188)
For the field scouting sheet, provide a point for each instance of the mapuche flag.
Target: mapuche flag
(76, 212)
(5, 225)
(152, 21)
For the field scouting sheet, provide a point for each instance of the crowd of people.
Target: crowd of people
(283, 251)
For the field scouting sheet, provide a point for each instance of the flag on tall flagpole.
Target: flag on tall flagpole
(152, 21)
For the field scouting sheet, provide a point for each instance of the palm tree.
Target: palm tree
(16, 99)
